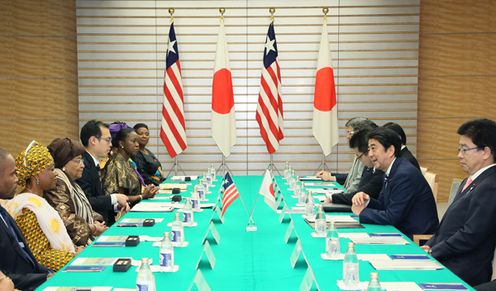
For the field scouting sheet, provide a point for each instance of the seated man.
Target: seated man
(465, 239)
(406, 200)
(405, 153)
(18, 263)
(371, 180)
(351, 180)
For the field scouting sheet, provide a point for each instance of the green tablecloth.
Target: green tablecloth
(245, 260)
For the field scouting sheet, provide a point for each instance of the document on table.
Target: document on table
(152, 207)
(137, 221)
(442, 286)
(310, 178)
(361, 257)
(167, 186)
(335, 218)
(94, 261)
(110, 241)
(388, 286)
(375, 238)
(408, 264)
(320, 184)
(183, 178)
(325, 191)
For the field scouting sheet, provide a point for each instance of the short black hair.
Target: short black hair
(386, 137)
(91, 128)
(121, 136)
(360, 140)
(396, 128)
(140, 125)
(482, 132)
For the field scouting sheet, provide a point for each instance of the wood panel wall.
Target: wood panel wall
(38, 72)
(457, 80)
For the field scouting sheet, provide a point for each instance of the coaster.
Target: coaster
(314, 234)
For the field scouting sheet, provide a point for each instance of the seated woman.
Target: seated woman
(82, 223)
(40, 224)
(148, 165)
(120, 174)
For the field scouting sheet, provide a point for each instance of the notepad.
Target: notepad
(84, 268)
(136, 221)
(110, 241)
(310, 178)
(168, 186)
(93, 262)
(183, 178)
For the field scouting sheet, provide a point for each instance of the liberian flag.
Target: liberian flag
(325, 112)
(230, 192)
(267, 190)
(270, 114)
(173, 129)
(223, 115)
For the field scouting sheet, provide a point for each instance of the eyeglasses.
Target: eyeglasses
(108, 139)
(463, 150)
(360, 155)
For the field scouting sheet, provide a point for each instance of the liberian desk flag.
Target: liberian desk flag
(173, 129)
(269, 110)
(325, 113)
(223, 115)
(230, 192)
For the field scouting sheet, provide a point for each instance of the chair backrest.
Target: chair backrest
(431, 180)
(423, 170)
(454, 188)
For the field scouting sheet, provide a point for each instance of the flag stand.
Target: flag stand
(271, 167)
(251, 226)
(223, 167)
(323, 164)
(174, 168)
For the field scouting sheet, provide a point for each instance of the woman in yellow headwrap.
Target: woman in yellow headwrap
(39, 222)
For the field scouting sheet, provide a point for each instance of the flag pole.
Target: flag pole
(175, 167)
(271, 167)
(323, 164)
(223, 166)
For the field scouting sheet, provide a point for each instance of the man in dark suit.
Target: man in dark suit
(465, 240)
(405, 153)
(371, 180)
(17, 261)
(406, 200)
(95, 137)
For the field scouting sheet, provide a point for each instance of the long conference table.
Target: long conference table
(258, 260)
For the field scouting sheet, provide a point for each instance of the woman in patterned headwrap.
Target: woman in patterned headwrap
(39, 222)
(82, 223)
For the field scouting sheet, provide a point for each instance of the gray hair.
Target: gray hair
(360, 123)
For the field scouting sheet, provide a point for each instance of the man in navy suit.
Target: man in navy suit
(465, 240)
(95, 137)
(406, 200)
(17, 261)
(371, 180)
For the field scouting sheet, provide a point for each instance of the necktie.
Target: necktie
(5, 217)
(469, 181)
(386, 177)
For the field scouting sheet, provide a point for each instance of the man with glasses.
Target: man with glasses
(95, 137)
(465, 239)
(371, 179)
(351, 180)
(405, 201)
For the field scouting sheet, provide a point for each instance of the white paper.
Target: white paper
(167, 186)
(94, 261)
(335, 218)
(361, 257)
(139, 220)
(101, 288)
(182, 178)
(152, 207)
(382, 240)
(388, 286)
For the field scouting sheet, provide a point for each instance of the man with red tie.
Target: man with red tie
(465, 239)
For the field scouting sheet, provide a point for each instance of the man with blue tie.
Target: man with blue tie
(465, 239)
(17, 261)
(406, 200)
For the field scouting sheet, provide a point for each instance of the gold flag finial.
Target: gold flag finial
(222, 11)
(272, 10)
(171, 12)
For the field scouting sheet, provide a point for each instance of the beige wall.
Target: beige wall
(457, 80)
(38, 74)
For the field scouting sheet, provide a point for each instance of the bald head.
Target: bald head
(8, 177)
